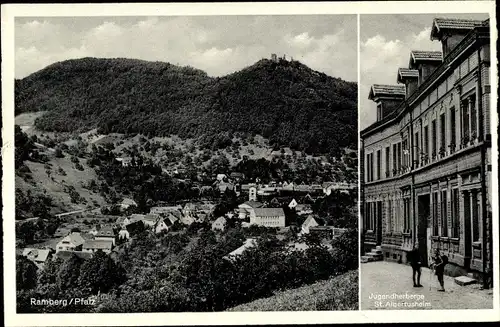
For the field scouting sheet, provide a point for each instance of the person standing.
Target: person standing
(438, 266)
(415, 260)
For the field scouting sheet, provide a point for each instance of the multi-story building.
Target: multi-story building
(426, 168)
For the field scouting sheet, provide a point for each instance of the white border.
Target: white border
(223, 318)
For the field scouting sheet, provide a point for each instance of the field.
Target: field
(336, 293)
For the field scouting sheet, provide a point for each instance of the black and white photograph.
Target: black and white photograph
(426, 170)
(186, 163)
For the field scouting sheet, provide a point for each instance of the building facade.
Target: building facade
(426, 161)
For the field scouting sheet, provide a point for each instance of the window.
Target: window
(379, 164)
(399, 155)
(369, 167)
(426, 140)
(387, 161)
(444, 215)
(434, 138)
(442, 134)
(405, 152)
(473, 113)
(453, 132)
(406, 213)
(455, 218)
(465, 121)
(368, 225)
(435, 222)
(394, 158)
(389, 216)
(416, 149)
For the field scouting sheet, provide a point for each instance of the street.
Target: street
(389, 285)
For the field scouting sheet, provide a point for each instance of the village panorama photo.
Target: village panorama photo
(186, 163)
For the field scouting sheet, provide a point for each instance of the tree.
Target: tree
(69, 273)
(101, 273)
(26, 273)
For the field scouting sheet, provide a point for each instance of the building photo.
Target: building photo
(426, 162)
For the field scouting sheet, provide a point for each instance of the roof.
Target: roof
(404, 73)
(67, 254)
(36, 254)
(151, 217)
(253, 204)
(220, 220)
(440, 24)
(128, 201)
(98, 244)
(269, 212)
(106, 231)
(387, 90)
(249, 243)
(418, 55)
(309, 220)
(75, 238)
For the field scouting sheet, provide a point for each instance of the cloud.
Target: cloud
(219, 45)
(380, 60)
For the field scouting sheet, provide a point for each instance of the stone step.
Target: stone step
(364, 259)
(378, 248)
(464, 280)
(377, 251)
(374, 256)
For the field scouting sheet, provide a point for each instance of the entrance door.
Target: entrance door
(424, 211)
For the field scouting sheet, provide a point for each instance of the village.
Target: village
(90, 231)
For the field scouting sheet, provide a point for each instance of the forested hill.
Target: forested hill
(284, 101)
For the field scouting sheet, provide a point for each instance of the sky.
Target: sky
(385, 45)
(218, 45)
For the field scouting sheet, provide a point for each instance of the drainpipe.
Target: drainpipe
(361, 163)
(481, 138)
(414, 231)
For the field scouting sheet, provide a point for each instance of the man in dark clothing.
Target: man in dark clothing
(416, 264)
(438, 266)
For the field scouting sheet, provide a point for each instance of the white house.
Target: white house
(126, 203)
(292, 204)
(268, 217)
(106, 233)
(92, 246)
(38, 256)
(249, 243)
(309, 222)
(219, 224)
(160, 226)
(72, 242)
(245, 209)
(221, 177)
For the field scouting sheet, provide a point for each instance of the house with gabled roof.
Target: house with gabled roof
(72, 242)
(268, 217)
(93, 246)
(106, 233)
(38, 256)
(219, 224)
(308, 223)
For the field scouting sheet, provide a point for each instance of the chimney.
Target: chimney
(408, 77)
(450, 31)
(387, 98)
(425, 62)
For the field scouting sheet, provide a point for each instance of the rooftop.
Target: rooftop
(36, 254)
(387, 90)
(269, 212)
(426, 55)
(440, 24)
(404, 73)
(98, 244)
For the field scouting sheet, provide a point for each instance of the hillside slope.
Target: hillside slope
(287, 102)
(336, 293)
